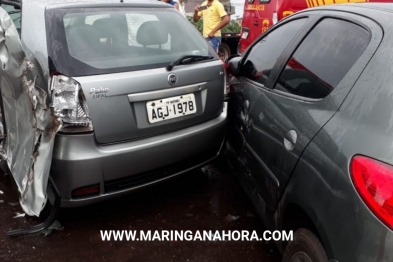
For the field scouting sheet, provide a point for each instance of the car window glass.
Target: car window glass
(89, 20)
(323, 58)
(15, 15)
(134, 21)
(119, 39)
(263, 56)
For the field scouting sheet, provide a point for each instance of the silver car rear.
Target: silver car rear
(118, 58)
(102, 97)
(110, 79)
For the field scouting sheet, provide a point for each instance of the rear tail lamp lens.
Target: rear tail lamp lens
(69, 102)
(374, 182)
(226, 76)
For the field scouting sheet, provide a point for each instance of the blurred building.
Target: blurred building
(190, 5)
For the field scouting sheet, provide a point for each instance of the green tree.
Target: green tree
(198, 25)
(232, 27)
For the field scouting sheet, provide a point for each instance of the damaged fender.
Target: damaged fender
(29, 123)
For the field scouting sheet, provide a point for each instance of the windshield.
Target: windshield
(93, 41)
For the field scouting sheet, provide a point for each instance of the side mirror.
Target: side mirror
(234, 65)
(231, 57)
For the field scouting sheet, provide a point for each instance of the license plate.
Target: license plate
(169, 108)
(245, 35)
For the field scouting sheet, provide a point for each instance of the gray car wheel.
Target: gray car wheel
(305, 247)
(224, 51)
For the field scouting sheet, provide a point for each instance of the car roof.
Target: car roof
(66, 3)
(378, 12)
(388, 7)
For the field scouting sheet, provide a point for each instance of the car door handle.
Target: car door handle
(290, 140)
(255, 23)
(246, 105)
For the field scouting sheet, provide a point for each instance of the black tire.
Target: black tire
(304, 247)
(224, 51)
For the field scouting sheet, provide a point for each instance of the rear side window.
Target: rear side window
(97, 41)
(323, 58)
(263, 55)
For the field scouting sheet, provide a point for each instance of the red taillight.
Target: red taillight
(53, 73)
(69, 103)
(374, 182)
(86, 191)
(226, 78)
(225, 65)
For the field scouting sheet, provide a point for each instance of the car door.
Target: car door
(304, 90)
(246, 89)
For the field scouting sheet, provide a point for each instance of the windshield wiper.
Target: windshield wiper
(187, 59)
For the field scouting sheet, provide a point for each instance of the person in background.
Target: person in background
(214, 18)
(182, 8)
(172, 3)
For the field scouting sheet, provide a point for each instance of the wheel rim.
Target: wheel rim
(223, 53)
(300, 257)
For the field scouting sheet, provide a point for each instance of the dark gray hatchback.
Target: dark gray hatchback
(138, 92)
(311, 124)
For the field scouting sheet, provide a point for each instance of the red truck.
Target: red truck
(259, 15)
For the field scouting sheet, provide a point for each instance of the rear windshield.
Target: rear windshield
(93, 41)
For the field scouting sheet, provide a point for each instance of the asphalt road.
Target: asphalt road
(199, 200)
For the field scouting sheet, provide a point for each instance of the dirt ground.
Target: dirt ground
(199, 200)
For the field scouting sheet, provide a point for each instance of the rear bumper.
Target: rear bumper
(78, 161)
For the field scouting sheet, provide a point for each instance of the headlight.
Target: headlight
(69, 102)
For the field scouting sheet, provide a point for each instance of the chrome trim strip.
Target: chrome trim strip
(145, 96)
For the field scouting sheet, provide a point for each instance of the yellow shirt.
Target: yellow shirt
(212, 17)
